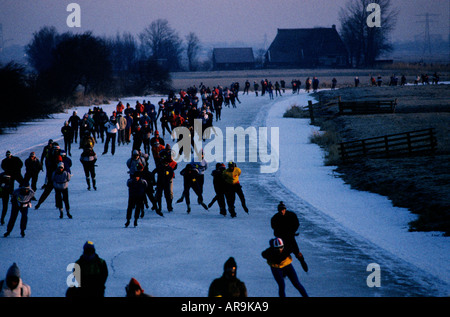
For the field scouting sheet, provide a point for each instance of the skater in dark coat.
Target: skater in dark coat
(164, 183)
(6, 189)
(67, 132)
(285, 225)
(61, 180)
(191, 180)
(228, 285)
(74, 121)
(280, 263)
(137, 187)
(12, 166)
(32, 169)
(219, 188)
(93, 274)
(88, 158)
(21, 201)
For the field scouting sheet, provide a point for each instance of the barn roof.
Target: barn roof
(290, 44)
(234, 55)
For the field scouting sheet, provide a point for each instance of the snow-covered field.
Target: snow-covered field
(342, 230)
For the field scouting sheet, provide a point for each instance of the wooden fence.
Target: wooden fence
(393, 145)
(366, 106)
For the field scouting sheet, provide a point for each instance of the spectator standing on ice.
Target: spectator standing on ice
(112, 128)
(122, 121)
(88, 158)
(94, 273)
(61, 180)
(20, 201)
(74, 122)
(285, 225)
(32, 169)
(12, 285)
(280, 263)
(228, 285)
(246, 87)
(67, 132)
(137, 187)
(255, 88)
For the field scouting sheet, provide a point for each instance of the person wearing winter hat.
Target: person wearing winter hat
(21, 201)
(134, 289)
(285, 225)
(112, 128)
(12, 285)
(228, 285)
(61, 180)
(93, 274)
(280, 262)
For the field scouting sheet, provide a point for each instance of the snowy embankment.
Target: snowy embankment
(369, 215)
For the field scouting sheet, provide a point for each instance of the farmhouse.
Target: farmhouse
(307, 48)
(233, 58)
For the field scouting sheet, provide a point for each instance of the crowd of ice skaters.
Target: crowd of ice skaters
(138, 125)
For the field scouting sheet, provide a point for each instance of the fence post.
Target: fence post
(408, 135)
(311, 111)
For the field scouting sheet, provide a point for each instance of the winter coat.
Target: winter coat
(22, 198)
(284, 226)
(277, 259)
(12, 165)
(132, 164)
(200, 166)
(33, 167)
(218, 181)
(227, 288)
(112, 127)
(165, 174)
(137, 188)
(60, 180)
(94, 273)
(6, 184)
(22, 289)
(67, 132)
(122, 121)
(88, 155)
(231, 177)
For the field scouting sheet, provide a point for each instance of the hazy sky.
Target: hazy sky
(247, 21)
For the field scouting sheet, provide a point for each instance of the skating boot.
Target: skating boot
(88, 182)
(60, 213)
(94, 184)
(68, 214)
(127, 223)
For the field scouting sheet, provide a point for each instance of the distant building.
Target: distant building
(307, 48)
(233, 58)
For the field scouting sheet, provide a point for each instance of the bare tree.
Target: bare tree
(40, 50)
(124, 52)
(161, 43)
(192, 49)
(365, 43)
